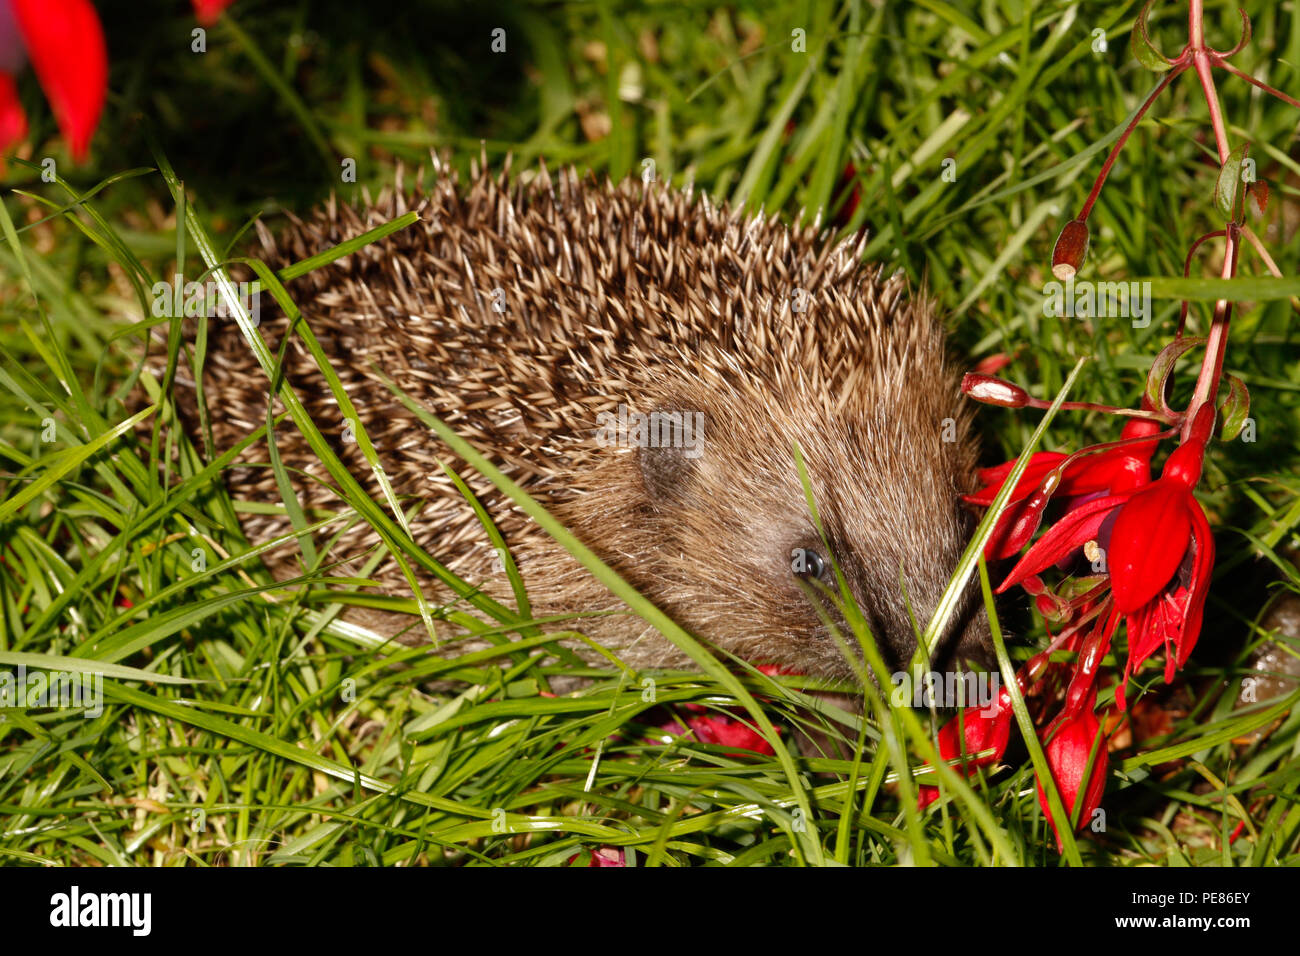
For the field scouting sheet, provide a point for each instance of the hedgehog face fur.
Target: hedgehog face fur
(714, 540)
(524, 315)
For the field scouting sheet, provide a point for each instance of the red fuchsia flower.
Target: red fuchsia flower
(726, 730)
(1070, 744)
(1156, 552)
(1161, 556)
(65, 44)
(1159, 552)
(983, 728)
(1115, 468)
(1126, 463)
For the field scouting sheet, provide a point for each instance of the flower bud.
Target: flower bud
(1055, 611)
(1019, 522)
(1033, 585)
(994, 391)
(1071, 247)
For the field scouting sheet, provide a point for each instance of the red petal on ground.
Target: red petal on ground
(603, 856)
(66, 46)
(729, 732)
(13, 121)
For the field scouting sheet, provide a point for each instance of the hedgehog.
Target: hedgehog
(644, 362)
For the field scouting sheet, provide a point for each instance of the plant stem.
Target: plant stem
(1196, 25)
(1241, 74)
(1104, 409)
(1201, 61)
(1207, 383)
(1119, 144)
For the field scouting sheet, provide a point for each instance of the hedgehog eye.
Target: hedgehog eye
(808, 564)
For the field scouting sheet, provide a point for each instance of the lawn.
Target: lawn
(246, 723)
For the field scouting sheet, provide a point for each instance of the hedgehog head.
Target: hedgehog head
(706, 512)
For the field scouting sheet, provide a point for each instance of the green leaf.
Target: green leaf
(79, 665)
(68, 461)
(1164, 364)
(1143, 49)
(1241, 289)
(1235, 409)
(1229, 181)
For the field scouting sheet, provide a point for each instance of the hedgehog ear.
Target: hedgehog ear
(669, 445)
(666, 472)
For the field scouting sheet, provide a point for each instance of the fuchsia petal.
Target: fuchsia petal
(982, 731)
(729, 732)
(1201, 570)
(1117, 469)
(13, 121)
(1147, 629)
(66, 46)
(1149, 540)
(1129, 474)
(1069, 534)
(1016, 525)
(1067, 754)
(992, 479)
(1173, 619)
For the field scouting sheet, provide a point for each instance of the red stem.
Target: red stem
(1196, 25)
(1240, 74)
(1207, 383)
(1088, 203)
(1187, 271)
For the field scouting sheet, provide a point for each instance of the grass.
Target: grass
(247, 723)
